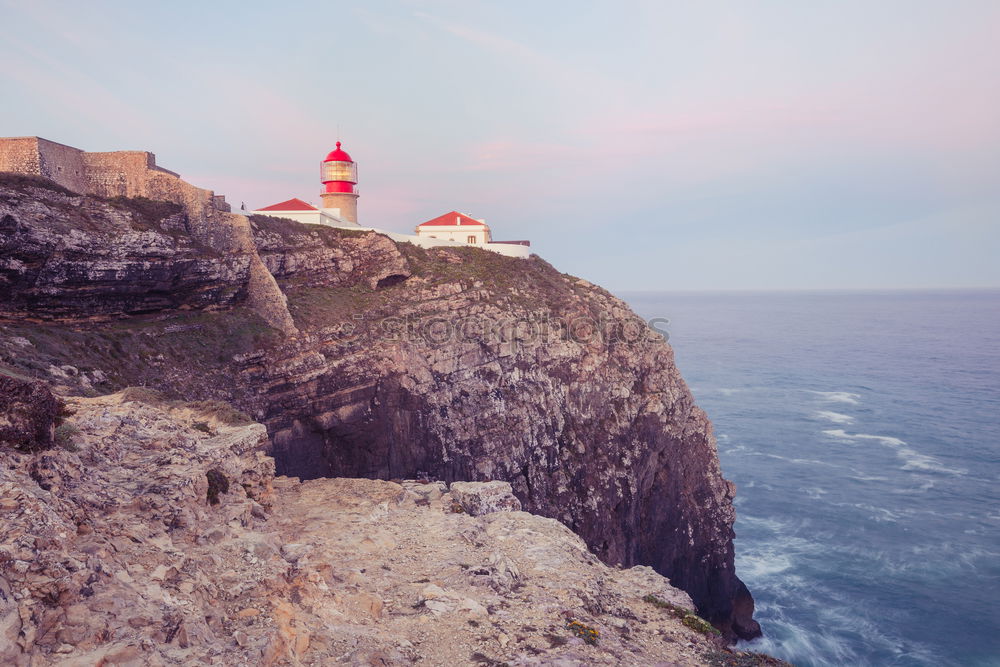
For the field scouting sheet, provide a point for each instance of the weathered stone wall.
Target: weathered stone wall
(41, 157)
(62, 164)
(20, 155)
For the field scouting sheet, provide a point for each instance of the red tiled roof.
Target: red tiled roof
(452, 218)
(290, 205)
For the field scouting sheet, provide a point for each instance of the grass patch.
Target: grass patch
(145, 351)
(688, 617)
(679, 612)
(220, 411)
(144, 395)
(146, 212)
(22, 181)
(289, 229)
(319, 307)
(65, 436)
(725, 657)
(698, 624)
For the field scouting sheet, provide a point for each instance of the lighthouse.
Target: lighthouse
(339, 175)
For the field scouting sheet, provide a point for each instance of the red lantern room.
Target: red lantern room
(339, 175)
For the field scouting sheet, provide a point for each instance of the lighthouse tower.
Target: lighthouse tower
(339, 175)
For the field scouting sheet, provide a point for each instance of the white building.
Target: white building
(461, 228)
(456, 226)
(301, 211)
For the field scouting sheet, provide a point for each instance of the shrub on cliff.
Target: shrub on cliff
(219, 410)
(148, 212)
(29, 413)
(22, 181)
(688, 618)
(217, 483)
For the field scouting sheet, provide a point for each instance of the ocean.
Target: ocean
(862, 430)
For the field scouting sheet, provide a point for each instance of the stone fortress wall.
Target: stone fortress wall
(136, 174)
(107, 174)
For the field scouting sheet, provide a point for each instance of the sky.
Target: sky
(643, 145)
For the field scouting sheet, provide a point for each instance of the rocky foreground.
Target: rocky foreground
(155, 533)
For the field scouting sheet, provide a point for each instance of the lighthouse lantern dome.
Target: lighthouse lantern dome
(339, 173)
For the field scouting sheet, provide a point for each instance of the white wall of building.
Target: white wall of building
(471, 234)
(324, 216)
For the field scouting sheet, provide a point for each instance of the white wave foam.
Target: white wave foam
(916, 461)
(912, 459)
(861, 477)
(774, 525)
(835, 417)
(877, 514)
(813, 462)
(758, 567)
(726, 391)
(838, 396)
(883, 439)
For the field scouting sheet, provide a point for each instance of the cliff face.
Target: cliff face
(445, 364)
(94, 257)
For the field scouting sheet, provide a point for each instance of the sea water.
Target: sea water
(862, 431)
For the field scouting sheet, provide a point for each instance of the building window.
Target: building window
(471, 239)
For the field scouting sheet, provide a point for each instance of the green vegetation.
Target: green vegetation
(585, 632)
(287, 229)
(147, 212)
(698, 624)
(688, 617)
(65, 435)
(679, 612)
(284, 227)
(221, 411)
(146, 350)
(726, 657)
(319, 307)
(22, 181)
(146, 395)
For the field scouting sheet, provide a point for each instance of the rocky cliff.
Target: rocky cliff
(402, 363)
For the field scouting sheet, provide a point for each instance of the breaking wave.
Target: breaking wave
(839, 396)
(835, 417)
(883, 439)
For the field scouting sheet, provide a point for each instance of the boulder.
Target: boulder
(478, 498)
(28, 414)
